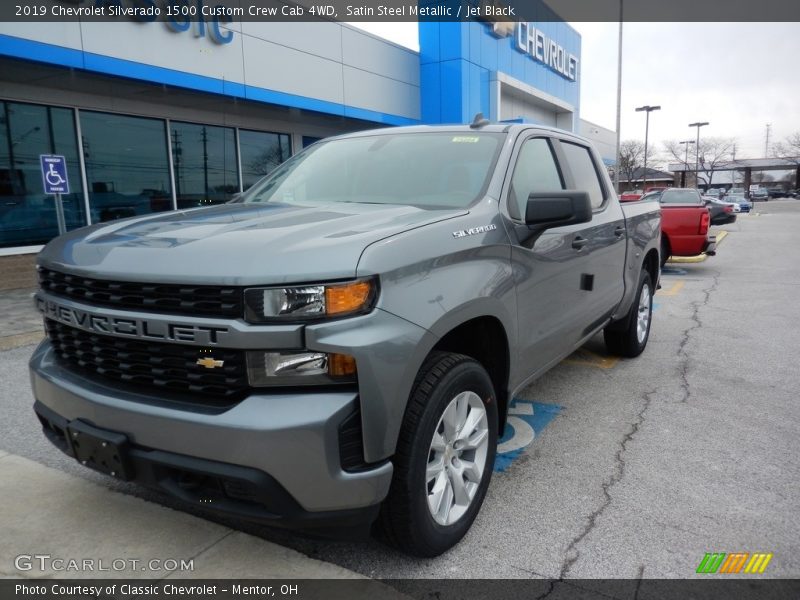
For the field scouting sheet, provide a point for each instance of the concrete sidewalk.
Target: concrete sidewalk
(20, 322)
(47, 512)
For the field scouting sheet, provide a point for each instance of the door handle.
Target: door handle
(579, 242)
(619, 231)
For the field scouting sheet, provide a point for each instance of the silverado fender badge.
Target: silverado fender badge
(474, 230)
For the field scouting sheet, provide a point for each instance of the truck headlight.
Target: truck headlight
(299, 368)
(308, 302)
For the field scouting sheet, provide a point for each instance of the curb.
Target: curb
(9, 342)
(66, 516)
(700, 257)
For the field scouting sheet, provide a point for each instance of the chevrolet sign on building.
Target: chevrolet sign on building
(537, 45)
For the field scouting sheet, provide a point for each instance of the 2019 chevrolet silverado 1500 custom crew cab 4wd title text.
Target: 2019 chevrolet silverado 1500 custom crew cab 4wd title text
(341, 343)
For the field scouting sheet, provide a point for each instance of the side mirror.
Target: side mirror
(555, 209)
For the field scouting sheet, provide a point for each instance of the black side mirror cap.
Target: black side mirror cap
(555, 209)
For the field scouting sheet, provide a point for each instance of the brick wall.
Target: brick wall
(17, 271)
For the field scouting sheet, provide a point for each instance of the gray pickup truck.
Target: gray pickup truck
(339, 345)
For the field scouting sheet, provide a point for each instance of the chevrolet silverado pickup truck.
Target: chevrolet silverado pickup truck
(340, 344)
(685, 219)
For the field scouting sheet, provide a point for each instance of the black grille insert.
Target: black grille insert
(195, 300)
(171, 369)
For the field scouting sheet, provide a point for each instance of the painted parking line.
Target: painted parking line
(526, 420)
(587, 358)
(672, 290)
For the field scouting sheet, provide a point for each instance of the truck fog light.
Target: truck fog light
(299, 368)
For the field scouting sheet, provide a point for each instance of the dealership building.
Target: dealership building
(155, 116)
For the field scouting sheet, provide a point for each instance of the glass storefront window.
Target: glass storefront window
(127, 165)
(27, 215)
(204, 161)
(261, 153)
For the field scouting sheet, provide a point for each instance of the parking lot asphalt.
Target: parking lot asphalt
(649, 463)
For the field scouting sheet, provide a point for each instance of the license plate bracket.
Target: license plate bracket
(99, 449)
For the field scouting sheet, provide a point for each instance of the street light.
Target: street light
(697, 153)
(686, 160)
(647, 110)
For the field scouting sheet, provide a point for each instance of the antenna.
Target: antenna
(479, 121)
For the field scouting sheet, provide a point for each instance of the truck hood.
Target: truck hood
(236, 244)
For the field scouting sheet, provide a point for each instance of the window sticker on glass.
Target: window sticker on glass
(465, 139)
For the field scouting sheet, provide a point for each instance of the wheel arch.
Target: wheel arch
(484, 339)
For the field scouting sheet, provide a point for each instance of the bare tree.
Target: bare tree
(631, 160)
(713, 152)
(676, 151)
(789, 150)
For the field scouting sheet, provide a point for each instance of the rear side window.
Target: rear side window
(535, 171)
(584, 171)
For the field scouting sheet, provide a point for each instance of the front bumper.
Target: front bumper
(283, 446)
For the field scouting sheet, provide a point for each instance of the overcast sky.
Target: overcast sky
(736, 76)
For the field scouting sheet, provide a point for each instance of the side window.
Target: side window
(583, 170)
(535, 171)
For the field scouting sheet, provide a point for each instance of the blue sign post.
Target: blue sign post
(55, 182)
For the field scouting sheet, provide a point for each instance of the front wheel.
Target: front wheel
(629, 337)
(444, 459)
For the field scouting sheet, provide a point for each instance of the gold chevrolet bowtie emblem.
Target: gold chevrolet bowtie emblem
(209, 363)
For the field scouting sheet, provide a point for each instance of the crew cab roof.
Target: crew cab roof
(512, 128)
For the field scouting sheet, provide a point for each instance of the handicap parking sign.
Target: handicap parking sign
(54, 174)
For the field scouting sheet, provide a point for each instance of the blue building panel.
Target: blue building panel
(430, 80)
(428, 34)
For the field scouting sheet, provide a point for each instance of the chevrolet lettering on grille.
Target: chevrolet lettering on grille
(126, 326)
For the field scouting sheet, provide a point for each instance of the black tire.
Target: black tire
(406, 520)
(622, 338)
(664, 251)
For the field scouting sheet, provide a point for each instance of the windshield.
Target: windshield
(680, 197)
(427, 170)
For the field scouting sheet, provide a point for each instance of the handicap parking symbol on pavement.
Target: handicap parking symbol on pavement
(526, 420)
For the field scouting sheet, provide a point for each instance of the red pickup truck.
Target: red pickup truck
(684, 223)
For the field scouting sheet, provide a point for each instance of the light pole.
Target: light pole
(619, 99)
(685, 159)
(647, 110)
(697, 153)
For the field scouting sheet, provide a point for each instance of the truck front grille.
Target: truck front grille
(170, 369)
(193, 300)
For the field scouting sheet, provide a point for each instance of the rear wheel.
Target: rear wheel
(444, 459)
(629, 337)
